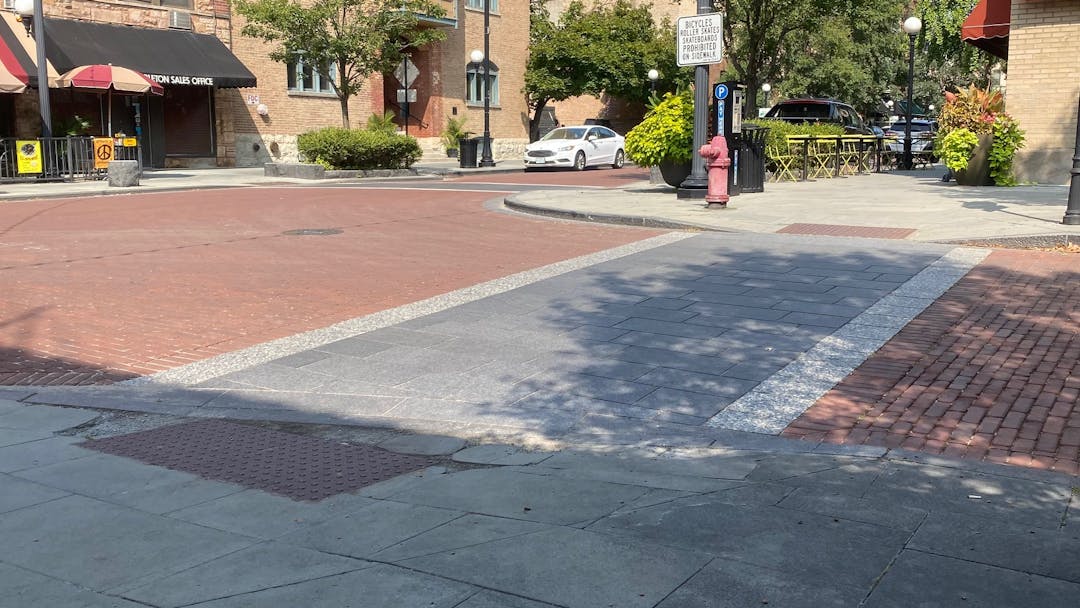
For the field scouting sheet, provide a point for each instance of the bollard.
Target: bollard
(716, 154)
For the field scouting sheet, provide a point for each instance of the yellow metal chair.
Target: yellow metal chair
(784, 161)
(822, 157)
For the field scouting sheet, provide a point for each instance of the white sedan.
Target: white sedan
(577, 147)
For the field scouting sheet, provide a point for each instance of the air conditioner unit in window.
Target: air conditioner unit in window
(178, 20)
(9, 5)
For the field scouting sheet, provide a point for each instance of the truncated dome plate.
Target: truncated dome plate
(296, 466)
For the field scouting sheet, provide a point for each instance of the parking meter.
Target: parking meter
(727, 121)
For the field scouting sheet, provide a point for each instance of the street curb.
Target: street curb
(475, 171)
(515, 204)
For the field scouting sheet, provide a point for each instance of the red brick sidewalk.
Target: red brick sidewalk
(102, 289)
(990, 371)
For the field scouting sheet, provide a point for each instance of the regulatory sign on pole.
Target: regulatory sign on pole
(700, 39)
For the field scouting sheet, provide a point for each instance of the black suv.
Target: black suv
(820, 110)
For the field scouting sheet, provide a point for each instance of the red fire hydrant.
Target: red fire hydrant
(716, 153)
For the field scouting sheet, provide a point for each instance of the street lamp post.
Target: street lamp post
(33, 8)
(653, 76)
(1072, 212)
(486, 160)
(766, 88)
(912, 25)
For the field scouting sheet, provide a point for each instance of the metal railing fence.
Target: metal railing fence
(60, 158)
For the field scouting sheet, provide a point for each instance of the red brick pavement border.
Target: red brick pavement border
(103, 289)
(869, 232)
(990, 371)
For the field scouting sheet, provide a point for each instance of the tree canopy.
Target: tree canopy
(345, 41)
(603, 49)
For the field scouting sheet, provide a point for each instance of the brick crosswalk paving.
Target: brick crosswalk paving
(990, 371)
(98, 290)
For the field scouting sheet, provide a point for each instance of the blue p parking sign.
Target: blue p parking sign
(720, 92)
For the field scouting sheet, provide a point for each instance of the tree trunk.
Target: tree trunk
(534, 122)
(344, 99)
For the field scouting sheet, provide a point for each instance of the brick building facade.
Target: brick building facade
(219, 124)
(1041, 40)
(1044, 85)
(441, 89)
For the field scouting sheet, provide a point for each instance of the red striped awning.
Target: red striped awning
(18, 53)
(987, 27)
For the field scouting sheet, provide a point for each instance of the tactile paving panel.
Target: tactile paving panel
(296, 466)
(870, 232)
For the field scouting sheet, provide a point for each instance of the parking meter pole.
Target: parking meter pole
(694, 186)
(1072, 213)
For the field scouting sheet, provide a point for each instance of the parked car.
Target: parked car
(578, 147)
(922, 137)
(820, 110)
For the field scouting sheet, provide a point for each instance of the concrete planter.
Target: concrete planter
(978, 169)
(675, 173)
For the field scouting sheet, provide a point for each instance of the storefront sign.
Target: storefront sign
(103, 152)
(29, 156)
(194, 81)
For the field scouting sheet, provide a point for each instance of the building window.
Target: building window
(474, 83)
(303, 78)
(479, 5)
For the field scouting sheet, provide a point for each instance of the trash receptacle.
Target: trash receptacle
(467, 153)
(751, 167)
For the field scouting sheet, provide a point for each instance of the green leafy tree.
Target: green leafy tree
(345, 41)
(951, 63)
(604, 49)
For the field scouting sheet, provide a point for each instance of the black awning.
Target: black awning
(172, 57)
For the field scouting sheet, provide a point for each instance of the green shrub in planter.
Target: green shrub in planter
(666, 134)
(956, 148)
(337, 148)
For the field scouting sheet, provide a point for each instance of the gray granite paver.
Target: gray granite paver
(262, 566)
(44, 418)
(370, 529)
(16, 493)
(129, 482)
(464, 531)
(382, 586)
(260, 515)
(10, 437)
(920, 580)
(41, 452)
(425, 445)
(699, 405)
(499, 455)
(503, 493)
(846, 552)
(20, 587)
(573, 568)
(1049, 552)
(100, 545)
(727, 583)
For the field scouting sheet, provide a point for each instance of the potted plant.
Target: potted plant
(978, 139)
(665, 137)
(452, 135)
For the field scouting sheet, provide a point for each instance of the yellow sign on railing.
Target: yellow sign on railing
(29, 154)
(103, 152)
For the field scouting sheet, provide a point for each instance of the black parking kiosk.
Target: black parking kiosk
(727, 121)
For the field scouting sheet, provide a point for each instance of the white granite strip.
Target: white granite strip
(213, 367)
(772, 405)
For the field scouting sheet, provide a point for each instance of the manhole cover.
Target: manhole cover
(296, 466)
(312, 232)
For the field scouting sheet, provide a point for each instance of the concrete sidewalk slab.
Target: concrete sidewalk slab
(915, 200)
